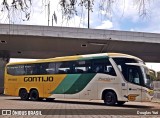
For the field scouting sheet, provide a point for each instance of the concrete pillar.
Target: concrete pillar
(3, 62)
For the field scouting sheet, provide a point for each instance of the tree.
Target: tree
(21, 5)
(153, 75)
(69, 7)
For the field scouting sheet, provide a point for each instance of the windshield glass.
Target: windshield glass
(147, 80)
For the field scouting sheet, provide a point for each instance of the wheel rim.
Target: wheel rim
(24, 94)
(108, 98)
(34, 95)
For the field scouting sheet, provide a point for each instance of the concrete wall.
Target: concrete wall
(156, 89)
(2, 68)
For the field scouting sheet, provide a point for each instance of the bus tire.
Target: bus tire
(34, 95)
(40, 99)
(110, 98)
(120, 103)
(49, 99)
(23, 94)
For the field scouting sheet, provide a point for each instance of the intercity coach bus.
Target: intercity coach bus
(113, 77)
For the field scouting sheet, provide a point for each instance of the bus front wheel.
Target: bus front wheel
(110, 98)
(23, 94)
(34, 95)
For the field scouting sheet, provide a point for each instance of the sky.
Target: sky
(124, 15)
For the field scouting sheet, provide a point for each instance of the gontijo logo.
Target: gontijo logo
(38, 79)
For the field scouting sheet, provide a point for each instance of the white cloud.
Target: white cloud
(105, 25)
(154, 66)
(132, 29)
(121, 10)
(151, 22)
(127, 10)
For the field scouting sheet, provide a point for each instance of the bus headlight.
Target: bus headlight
(150, 92)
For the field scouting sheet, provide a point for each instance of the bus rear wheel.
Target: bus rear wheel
(110, 98)
(34, 95)
(23, 94)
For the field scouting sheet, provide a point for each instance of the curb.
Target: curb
(155, 100)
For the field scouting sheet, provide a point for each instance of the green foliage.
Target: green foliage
(69, 7)
(153, 75)
(19, 5)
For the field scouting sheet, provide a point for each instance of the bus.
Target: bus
(114, 78)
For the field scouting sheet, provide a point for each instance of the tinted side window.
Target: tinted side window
(27, 69)
(131, 74)
(121, 62)
(83, 66)
(46, 68)
(135, 75)
(103, 66)
(125, 60)
(31, 69)
(16, 70)
(51, 68)
(98, 66)
(64, 67)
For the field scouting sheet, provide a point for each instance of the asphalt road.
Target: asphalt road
(62, 108)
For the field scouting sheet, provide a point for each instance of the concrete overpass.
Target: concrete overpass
(21, 41)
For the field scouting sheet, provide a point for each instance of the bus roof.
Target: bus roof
(78, 57)
(119, 55)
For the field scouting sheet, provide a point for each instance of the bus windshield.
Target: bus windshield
(141, 78)
(134, 71)
(147, 79)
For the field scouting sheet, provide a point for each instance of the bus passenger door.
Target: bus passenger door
(135, 78)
